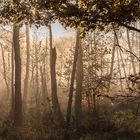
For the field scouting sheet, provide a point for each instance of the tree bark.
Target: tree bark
(44, 87)
(56, 107)
(69, 107)
(4, 73)
(18, 98)
(79, 81)
(113, 58)
(36, 74)
(130, 49)
(25, 93)
(12, 84)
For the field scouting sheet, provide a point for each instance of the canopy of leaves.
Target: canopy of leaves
(39, 12)
(89, 14)
(100, 13)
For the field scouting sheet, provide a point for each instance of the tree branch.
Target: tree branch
(129, 27)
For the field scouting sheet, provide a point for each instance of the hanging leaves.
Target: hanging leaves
(88, 14)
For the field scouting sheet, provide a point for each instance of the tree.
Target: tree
(130, 49)
(12, 84)
(27, 65)
(79, 81)
(56, 107)
(100, 14)
(18, 98)
(37, 83)
(69, 106)
(4, 72)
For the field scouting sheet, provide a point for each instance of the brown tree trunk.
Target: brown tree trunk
(12, 84)
(95, 72)
(112, 63)
(113, 58)
(79, 81)
(69, 107)
(25, 93)
(130, 49)
(4, 73)
(18, 98)
(44, 88)
(56, 107)
(32, 83)
(36, 74)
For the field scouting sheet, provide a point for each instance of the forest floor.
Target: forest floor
(119, 126)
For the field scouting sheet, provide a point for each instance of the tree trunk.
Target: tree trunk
(12, 84)
(121, 57)
(69, 107)
(56, 107)
(79, 81)
(112, 63)
(4, 73)
(18, 98)
(36, 74)
(130, 49)
(113, 58)
(25, 93)
(44, 88)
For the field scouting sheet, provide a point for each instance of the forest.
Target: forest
(83, 84)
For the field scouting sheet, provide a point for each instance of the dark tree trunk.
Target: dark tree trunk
(56, 107)
(44, 88)
(37, 75)
(18, 98)
(79, 81)
(12, 85)
(25, 93)
(69, 107)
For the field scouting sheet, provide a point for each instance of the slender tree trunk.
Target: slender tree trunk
(4, 73)
(113, 58)
(120, 74)
(25, 93)
(88, 101)
(44, 82)
(18, 98)
(44, 86)
(121, 57)
(123, 64)
(12, 84)
(9, 62)
(130, 49)
(69, 107)
(112, 63)
(95, 72)
(89, 78)
(36, 74)
(56, 107)
(32, 77)
(79, 81)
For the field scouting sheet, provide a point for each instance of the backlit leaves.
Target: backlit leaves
(87, 14)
